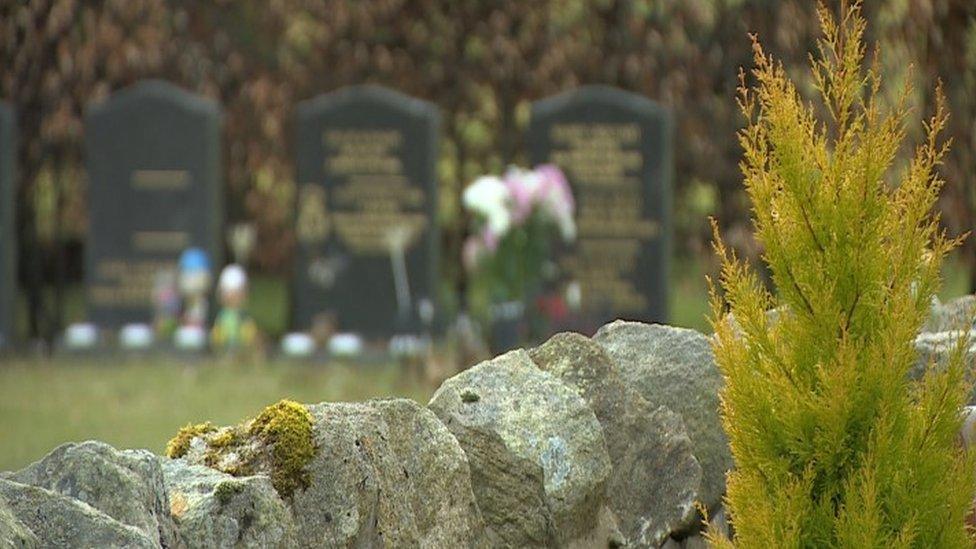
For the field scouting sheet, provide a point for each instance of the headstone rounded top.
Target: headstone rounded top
(598, 93)
(158, 90)
(370, 94)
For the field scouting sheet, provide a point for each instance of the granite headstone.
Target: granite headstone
(8, 241)
(615, 149)
(366, 205)
(154, 183)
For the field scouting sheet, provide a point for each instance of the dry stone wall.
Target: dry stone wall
(610, 441)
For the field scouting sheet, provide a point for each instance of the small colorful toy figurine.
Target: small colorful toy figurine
(166, 303)
(194, 283)
(233, 329)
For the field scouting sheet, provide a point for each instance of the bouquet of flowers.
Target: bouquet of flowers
(515, 218)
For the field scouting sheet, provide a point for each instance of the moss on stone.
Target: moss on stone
(226, 490)
(279, 443)
(180, 444)
(222, 439)
(286, 428)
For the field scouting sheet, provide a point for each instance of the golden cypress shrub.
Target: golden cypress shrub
(833, 445)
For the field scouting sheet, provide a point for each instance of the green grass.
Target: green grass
(689, 295)
(135, 403)
(955, 278)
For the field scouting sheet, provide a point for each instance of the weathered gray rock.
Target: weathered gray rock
(125, 485)
(671, 543)
(953, 315)
(539, 463)
(946, 324)
(694, 542)
(383, 473)
(938, 347)
(214, 509)
(62, 521)
(674, 367)
(655, 478)
(13, 533)
(386, 473)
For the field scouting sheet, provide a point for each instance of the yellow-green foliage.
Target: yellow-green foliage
(179, 444)
(286, 427)
(833, 446)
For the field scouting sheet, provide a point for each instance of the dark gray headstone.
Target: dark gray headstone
(153, 157)
(615, 148)
(8, 240)
(366, 175)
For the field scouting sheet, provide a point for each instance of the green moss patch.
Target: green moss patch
(279, 442)
(180, 444)
(286, 427)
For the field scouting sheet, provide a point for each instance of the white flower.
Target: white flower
(485, 192)
(490, 197)
(499, 220)
(567, 228)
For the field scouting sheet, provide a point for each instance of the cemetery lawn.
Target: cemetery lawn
(133, 403)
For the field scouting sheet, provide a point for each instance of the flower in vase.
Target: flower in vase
(473, 251)
(490, 239)
(490, 197)
(557, 200)
(526, 189)
(478, 246)
(514, 219)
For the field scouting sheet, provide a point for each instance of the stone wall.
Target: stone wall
(610, 441)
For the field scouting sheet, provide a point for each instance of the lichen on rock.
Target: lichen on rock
(655, 478)
(387, 473)
(126, 485)
(675, 368)
(58, 520)
(213, 509)
(12, 531)
(537, 453)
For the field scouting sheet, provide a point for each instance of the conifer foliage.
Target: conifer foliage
(833, 445)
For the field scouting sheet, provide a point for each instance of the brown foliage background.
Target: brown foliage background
(482, 62)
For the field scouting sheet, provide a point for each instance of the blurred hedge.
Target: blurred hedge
(482, 62)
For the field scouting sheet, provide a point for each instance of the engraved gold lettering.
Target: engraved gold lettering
(374, 201)
(604, 161)
(160, 180)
